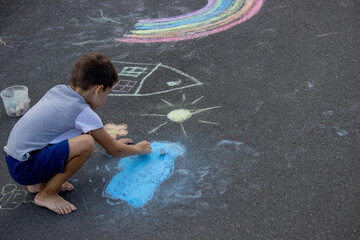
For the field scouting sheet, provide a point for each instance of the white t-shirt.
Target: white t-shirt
(87, 121)
(60, 114)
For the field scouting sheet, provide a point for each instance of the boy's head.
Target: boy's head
(93, 69)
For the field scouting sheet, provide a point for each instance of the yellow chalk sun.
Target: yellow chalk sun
(181, 115)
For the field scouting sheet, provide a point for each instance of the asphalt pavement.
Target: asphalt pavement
(253, 108)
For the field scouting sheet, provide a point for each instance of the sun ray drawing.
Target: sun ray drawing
(180, 115)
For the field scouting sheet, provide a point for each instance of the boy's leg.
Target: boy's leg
(38, 187)
(80, 149)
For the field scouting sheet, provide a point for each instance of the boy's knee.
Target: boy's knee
(90, 143)
(87, 144)
(83, 145)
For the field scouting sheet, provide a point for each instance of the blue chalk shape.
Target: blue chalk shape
(342, 133)
(142, 175)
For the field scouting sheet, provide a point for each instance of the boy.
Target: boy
(56, 136)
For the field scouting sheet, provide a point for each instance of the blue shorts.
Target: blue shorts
(42, 165)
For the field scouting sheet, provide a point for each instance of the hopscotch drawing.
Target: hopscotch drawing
(216, 16)
(145, 79)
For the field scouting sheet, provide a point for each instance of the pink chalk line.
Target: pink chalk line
(209, 5)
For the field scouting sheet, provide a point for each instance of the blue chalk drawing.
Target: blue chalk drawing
(140, 176)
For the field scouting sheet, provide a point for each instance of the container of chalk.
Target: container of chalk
(16, 100)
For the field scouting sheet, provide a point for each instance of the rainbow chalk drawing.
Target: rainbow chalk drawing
(216, 16)
(139, 79)
(140, 176)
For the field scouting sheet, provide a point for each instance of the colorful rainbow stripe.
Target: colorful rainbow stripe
(216, 16)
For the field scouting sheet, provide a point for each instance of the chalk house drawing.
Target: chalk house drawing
(140, 176)
(11, 198)
(216, 16)
(180, 115)
(146, 79)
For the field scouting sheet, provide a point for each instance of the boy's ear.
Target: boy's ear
(98, 88)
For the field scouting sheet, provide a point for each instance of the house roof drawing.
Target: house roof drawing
(146, 79)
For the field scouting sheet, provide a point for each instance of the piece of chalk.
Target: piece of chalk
(18, 111)
(162, 152)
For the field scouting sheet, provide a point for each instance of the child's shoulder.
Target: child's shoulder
(62, 90)
(60, 87)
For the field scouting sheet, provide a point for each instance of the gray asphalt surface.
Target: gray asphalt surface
(277, 159)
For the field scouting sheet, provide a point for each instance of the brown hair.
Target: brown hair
(93, 69)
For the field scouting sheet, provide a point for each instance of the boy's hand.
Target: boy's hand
(120, 148)
(144, 148)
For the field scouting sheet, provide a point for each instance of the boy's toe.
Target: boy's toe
(58, 211)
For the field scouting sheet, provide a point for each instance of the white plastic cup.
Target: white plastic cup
(16, 100)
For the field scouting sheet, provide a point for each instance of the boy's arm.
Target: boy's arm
(118, 149)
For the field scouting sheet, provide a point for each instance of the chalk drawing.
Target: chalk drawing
(216, 16)
(174, 83)
(259, 104)
(180, 115)
(310, 85)
(11, 198)
(197, 182)
(327, 34)
(124, 86)
(89, 42)
(140, 176)
(327, 123)
(146, 79)
(328, 113)
(116, 131)
(240, 145)
(342, 133)
(107, 168)
(132, 71)
(103, 19)
(200, 180)
(2, 42)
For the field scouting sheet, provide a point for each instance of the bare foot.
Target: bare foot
(55, 203)
(66, 187)
(38, 187)
(126, 140)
